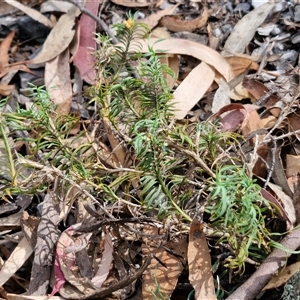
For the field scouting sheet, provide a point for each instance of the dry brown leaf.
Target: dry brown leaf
(240, 93)
(28, 297)
(221, 97)
(32, 13)
(57, 5)
(165, 275)
(16, 260)
(153, 19)
(58, 40)
(285, 200)
(278, 207)
(6, 89)
(244, 30)
(283, 276)
(176, 24)
(192, 89)
(293, 121)
(185, 47)
(199, 260)
(240, 64)
(292, 165)
(58, 82)
(4, 48)
(132, 3)
(171, 60)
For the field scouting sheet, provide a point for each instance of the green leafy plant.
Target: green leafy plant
(171, 168)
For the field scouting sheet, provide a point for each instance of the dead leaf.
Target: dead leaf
(292, 165)
(57, 41)
(164, 270)
(185, 47)
(6, 89)
(286, 201)
(244, 30)
(129, 3)
(58, 82)
(221, 97)
(293, 121)
(176, 24)
(199, 260)
(240, 64)
(4, 49)
(15, 261)
(104, 267)
(278, 207)
(192, 89)
(58, 5)
(153, 19)
(283, 276)
(84, 58)
(32, 13)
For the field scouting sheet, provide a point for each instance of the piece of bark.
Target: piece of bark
(43, 253)
(277, 259)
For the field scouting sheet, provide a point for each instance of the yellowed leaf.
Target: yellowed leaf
(199, 260)
(292, 165)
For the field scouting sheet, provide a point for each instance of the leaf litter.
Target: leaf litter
(234, 80)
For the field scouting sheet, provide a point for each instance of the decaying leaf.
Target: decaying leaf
(199, 260)
(6, 89)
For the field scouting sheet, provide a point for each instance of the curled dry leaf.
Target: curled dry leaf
(199, 261)
(244, 30)
(32, 13)
(176, 24)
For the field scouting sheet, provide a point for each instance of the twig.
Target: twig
(94, 17)
(277, 259)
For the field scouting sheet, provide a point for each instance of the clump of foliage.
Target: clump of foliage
(172, 168)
